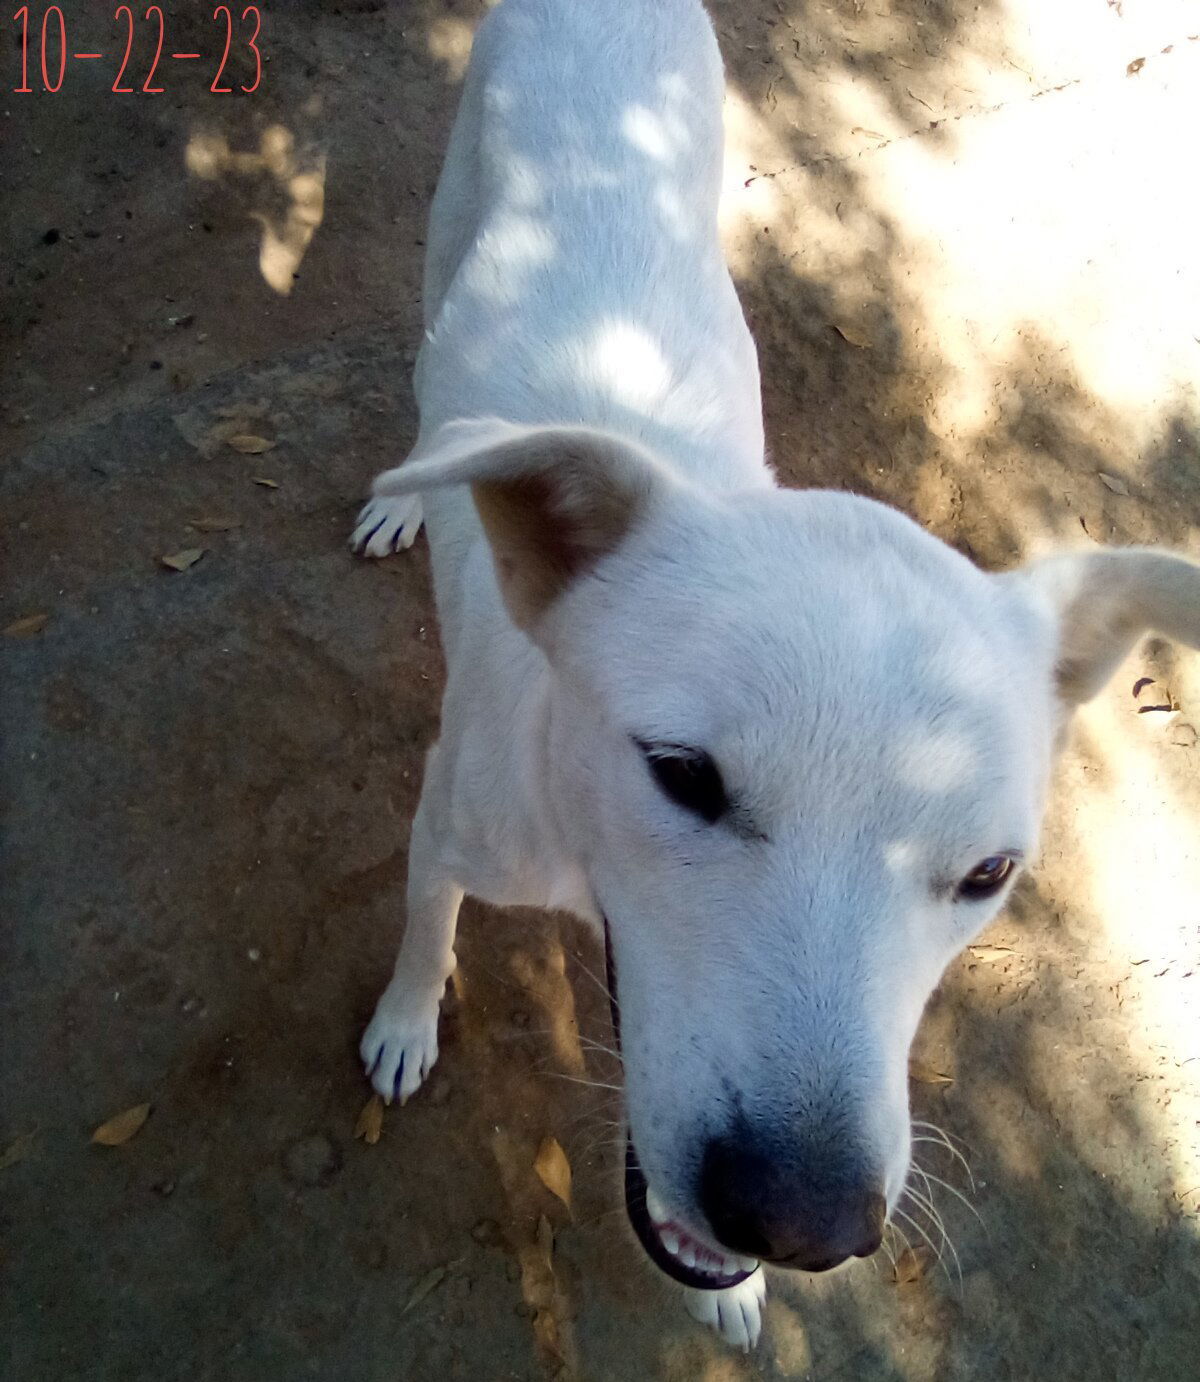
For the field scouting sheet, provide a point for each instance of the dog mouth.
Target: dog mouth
(673, 1250)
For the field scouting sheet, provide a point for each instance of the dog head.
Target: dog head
(801, 749)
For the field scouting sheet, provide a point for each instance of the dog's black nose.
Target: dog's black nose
(795, 1211)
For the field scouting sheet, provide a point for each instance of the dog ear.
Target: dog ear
(1104, 601)
(553, 500)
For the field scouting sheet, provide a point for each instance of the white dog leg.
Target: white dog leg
(400, 1045)
(387, 524)
(736, 1314)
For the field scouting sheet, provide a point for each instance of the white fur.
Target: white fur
(883, 712)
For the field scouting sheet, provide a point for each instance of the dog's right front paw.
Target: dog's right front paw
(387, 525)
(398, 1049)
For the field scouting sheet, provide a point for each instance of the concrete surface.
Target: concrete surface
(965, 238)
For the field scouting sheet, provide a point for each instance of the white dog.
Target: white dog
(787, 750)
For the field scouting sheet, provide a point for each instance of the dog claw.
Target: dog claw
(398, 1050)
(387, 525)
(735, 1313)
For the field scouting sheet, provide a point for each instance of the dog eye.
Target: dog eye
(689, 778)
(986, 878)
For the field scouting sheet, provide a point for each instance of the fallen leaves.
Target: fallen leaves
(27, 625)
(181, 561)
(370, 1121)
(926, 1074)
(988, 953)
(427, 1284)
(249, 419)
(554, 1170)
(215, 525)
(1114, 483)
(853, 336)
(267, 484)
(249, 444)
(118, 1130)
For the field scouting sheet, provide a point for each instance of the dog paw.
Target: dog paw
(387, 525)
(398, 1050)
(736, 1313)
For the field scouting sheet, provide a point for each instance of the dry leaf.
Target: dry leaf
(429, 1282)
(180, 561)
(987, 953)
(1114, 483)
(27, 626)
(249, 444)
(214, 525)
(554, 1169)
(911, 1265)
(16, 1150)
(926, 1074)
(854, 336)
(370, 1121)
(870, 134)
(267, 484)
(117, 1131)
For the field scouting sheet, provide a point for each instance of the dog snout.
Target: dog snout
(793, 1211)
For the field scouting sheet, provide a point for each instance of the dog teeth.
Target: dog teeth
(655, 1207)
(670, 1241)
(687, 1255)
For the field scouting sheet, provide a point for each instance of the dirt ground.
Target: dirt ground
(965, 242)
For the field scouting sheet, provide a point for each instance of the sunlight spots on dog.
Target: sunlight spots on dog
(513, 248)
(937, 761)
(630, 365)
(646, 131)
(903, 857)
(676, 215)
(523, 182)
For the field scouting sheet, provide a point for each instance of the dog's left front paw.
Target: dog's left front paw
(735, 1313)
(387, 525)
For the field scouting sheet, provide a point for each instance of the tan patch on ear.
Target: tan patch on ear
(554, 522)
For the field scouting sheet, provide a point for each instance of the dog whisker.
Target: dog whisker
(933, 1247)
(924, 1203)
(599, 983)
(895, 1229)
(578, 1079)
(958, 1195)
(943, 1139)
